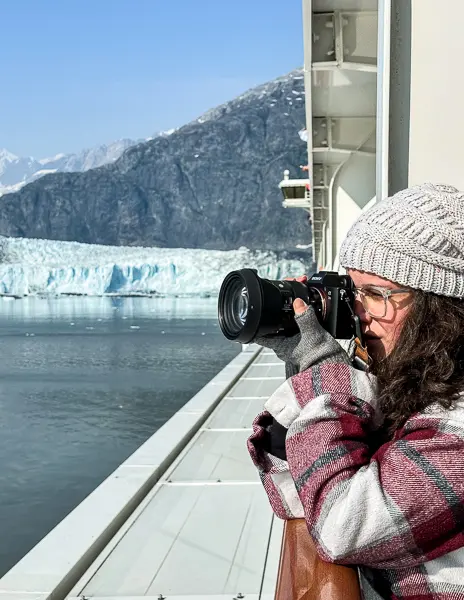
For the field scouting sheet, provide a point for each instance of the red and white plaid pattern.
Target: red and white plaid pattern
(396, 512)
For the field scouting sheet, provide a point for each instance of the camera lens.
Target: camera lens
(243, 306)
(237, 306)
(240, 301)
(250, 306)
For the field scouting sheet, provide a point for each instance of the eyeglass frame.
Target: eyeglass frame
(386, 294)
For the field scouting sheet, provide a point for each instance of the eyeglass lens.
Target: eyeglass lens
(374, 302)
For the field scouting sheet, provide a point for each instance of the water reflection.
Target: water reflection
(107, 307)
(83, 382)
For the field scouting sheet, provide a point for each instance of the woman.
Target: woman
(374, 461)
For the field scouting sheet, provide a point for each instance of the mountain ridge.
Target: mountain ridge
(212, 183)
(17, 171)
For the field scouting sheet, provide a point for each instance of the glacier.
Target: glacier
(31, 267)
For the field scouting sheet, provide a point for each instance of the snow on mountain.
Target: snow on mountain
(211, 184)
(9, 189)
(90, 158)
(6, 158)
(16, 171)
(45, 161)
(31, 267)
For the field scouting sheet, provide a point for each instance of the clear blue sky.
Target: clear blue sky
(75, 73)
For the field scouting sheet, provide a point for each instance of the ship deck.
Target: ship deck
(203, 530)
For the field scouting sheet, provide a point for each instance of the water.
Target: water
(84, 382)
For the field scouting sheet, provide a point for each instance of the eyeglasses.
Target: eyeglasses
(374, 299)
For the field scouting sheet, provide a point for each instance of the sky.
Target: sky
(77, 73)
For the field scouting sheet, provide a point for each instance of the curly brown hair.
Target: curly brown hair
(427, 363)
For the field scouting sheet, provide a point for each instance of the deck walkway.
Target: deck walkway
(205, 528)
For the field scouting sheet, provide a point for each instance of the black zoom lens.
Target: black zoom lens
(250, 306)
(237, 307)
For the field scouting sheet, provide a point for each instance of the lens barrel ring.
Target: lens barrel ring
(248, 279)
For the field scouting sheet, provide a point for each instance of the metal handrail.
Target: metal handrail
(305, 576)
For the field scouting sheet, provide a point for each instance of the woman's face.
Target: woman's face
(382, 332)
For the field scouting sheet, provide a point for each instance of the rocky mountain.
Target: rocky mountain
(211, 184)
(16, 171)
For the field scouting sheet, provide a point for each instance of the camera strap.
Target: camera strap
(360, 355)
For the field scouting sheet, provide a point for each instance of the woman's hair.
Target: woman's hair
(427, 363)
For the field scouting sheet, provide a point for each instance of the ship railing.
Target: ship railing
(305, 576)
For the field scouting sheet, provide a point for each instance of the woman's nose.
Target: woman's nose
(361, 312)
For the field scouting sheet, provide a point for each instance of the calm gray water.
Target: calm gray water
(83, 382)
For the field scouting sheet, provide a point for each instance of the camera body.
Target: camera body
(332, 296)
(250, 306)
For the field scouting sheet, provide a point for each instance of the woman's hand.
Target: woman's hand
(299, 305)
(310, 346)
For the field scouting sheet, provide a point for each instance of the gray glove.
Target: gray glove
(312, 346)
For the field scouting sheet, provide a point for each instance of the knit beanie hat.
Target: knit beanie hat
(415, 238)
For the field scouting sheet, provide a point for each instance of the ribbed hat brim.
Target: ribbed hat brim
(415, 239)
(403, 270)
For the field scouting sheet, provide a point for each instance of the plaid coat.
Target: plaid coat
(397, 511)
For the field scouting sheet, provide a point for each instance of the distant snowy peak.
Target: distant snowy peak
(90, 158)
(16, 171)
(6, 157)
(46, 161)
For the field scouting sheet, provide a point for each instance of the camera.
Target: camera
(251, 307)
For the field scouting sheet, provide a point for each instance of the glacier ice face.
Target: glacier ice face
(36, 267)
